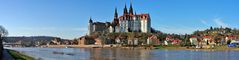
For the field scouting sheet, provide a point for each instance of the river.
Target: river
(126, 54)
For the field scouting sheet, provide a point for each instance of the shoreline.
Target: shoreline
(192, 48)
(18, 55)
(147, 48)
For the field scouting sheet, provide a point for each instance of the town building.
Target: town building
(193, 40)
(128, 22)
(153, 40)
(98, 26)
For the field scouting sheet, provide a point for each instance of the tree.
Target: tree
(3, 33)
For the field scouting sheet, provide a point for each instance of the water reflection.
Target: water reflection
(126, 54)
(118, 53)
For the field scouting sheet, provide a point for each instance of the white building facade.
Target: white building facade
(128, 22)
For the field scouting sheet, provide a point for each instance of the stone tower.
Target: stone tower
(90, 27)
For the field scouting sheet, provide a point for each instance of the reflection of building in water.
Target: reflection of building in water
(101, 54)
(144, 55)
(118, 54)
(95, 54)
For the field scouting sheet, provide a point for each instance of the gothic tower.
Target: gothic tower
(90, 26)
(125, 10)
(115, 22)
(131, 12)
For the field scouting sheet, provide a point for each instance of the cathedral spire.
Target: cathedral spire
(116, 14)
(125, 10)
(131, 8)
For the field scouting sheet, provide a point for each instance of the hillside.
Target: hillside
(30, 41)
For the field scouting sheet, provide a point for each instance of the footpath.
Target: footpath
(6, 55)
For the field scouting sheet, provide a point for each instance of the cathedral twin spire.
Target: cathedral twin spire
(131, 12)
(125, 10)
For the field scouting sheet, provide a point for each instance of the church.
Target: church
(128, 22)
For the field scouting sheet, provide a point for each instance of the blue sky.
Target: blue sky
(69, 18)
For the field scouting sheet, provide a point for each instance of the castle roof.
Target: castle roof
(141, 16)
(99, 23)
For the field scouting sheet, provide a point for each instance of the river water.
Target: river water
(126, 54)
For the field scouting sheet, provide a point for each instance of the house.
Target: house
(208, 39)
(118, 41)
(208, 42)
(232, 39)
(193, 40)
(153, 40)
(98, 41)
(55, 41)
(176, 42)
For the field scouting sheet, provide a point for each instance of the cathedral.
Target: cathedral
(128, 22)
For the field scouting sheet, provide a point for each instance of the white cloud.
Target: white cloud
(219, 22)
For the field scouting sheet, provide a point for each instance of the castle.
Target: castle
(128, 22)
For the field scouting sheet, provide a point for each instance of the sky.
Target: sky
(69, 18)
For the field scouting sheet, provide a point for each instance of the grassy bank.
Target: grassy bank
(19, 56)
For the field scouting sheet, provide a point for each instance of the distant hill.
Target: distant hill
(31, 40)
(218, 32)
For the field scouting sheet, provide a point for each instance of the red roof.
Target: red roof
(194, 37)
(207, 37)
(138, 15)
(232, 37)
(176, 40)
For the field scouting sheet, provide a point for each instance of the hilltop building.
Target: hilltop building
(128, 22)
(98, 26)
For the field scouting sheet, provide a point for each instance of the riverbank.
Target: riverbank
(177, 47)
(79, 46)
(192, 48)
(19, 56)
